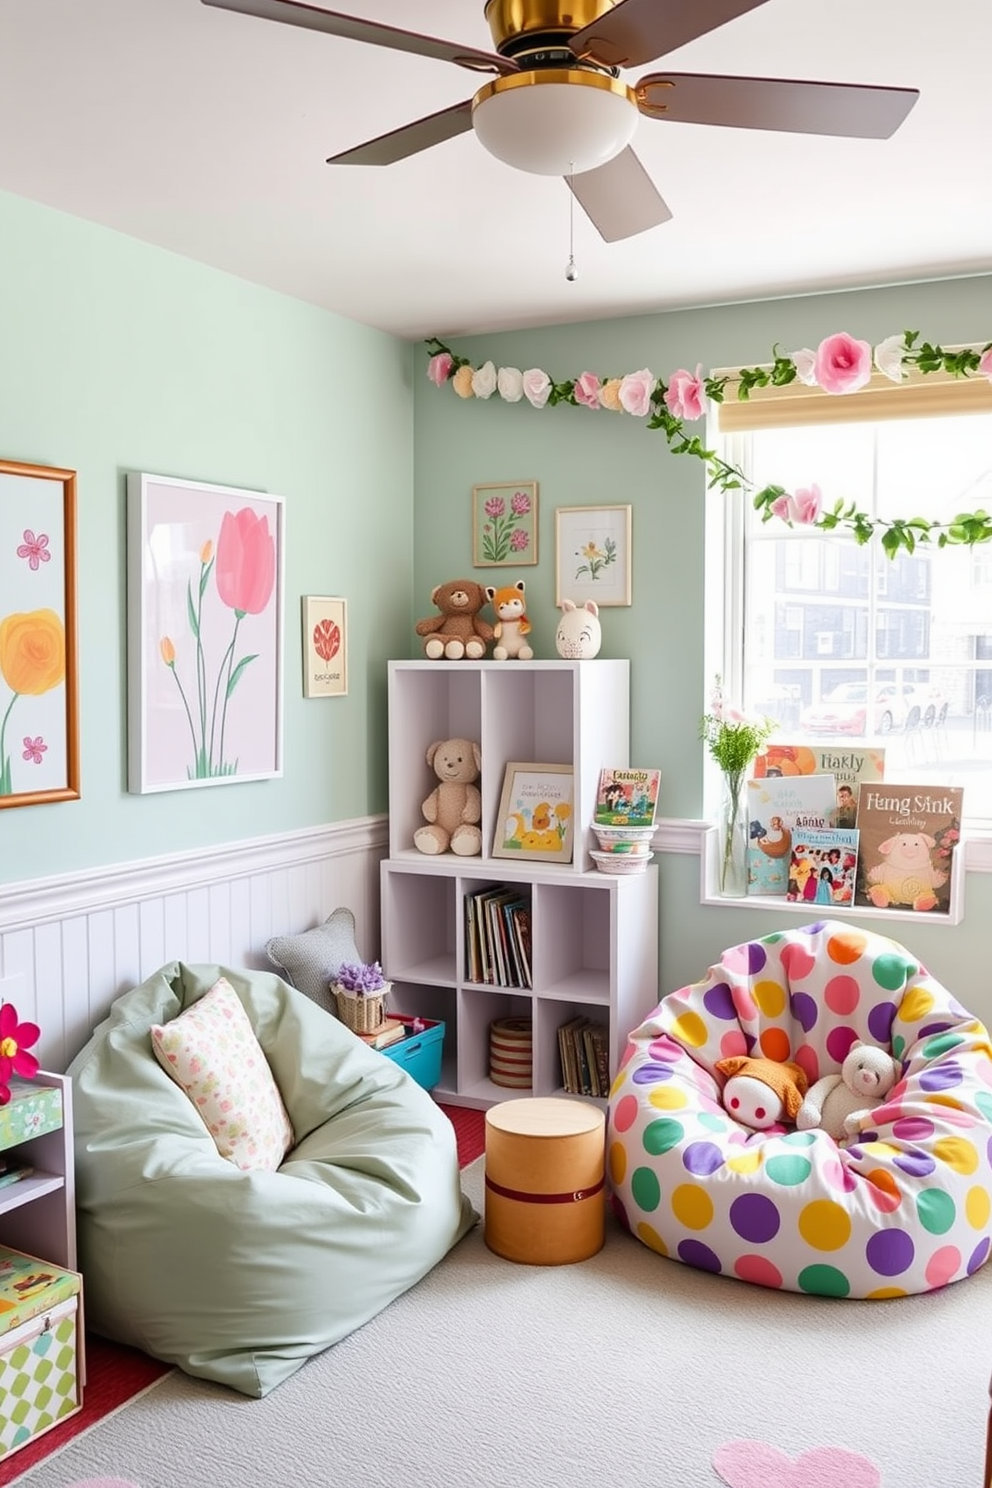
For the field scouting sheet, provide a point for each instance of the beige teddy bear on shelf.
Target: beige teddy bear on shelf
(453, 809)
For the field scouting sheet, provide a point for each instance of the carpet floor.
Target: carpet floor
(627, 1370)
(116, 1374)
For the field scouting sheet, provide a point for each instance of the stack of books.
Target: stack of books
(497, 937)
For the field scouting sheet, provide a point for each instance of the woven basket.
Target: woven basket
(360, 1014)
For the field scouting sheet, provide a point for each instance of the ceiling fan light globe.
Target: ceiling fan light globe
(557, 123)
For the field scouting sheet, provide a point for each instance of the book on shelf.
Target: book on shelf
(776, 806)
(13, 1172)
(906, 857)
(388, 1032)
(627, 798)
(850, 764)
(822, 868)
(583, 1047)
(497, 937)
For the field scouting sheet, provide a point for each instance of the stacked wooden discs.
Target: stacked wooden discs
(511, 1042)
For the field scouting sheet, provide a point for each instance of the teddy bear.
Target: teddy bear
(457, 632)
(512, 626)
(907, 876)
(579, 634)
(838, 1104)
(454, 807)
(762, 1092)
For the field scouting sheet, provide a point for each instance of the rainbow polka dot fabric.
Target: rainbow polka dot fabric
(904, 1208)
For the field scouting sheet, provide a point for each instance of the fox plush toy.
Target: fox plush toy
(512, 626)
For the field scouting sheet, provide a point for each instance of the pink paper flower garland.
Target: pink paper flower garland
(840, 364)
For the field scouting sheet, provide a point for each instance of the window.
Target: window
(836, 641)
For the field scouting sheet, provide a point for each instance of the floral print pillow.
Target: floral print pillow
(212, 1053)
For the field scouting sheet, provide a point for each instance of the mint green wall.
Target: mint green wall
(117, 356)
(581, 458)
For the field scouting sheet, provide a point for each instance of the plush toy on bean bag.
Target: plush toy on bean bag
(762, 1092)
(838, 1104)
(454, 807)
(457, 632)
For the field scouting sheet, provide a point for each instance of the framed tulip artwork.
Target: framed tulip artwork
(39, 738)
(325, 647)
(205, 634)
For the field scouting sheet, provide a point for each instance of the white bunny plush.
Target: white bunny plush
(839, 1104)
(579, 634)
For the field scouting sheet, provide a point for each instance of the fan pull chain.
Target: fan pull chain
(571, 272)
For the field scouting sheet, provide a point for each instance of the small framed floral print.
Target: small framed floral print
(593, 554)
(504, 525)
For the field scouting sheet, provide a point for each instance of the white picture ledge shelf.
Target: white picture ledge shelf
(709, 867)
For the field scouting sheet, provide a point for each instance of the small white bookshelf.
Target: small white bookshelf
(594, 936)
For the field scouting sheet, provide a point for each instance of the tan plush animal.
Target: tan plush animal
(454, 807)
(512, 626)
(457, 633)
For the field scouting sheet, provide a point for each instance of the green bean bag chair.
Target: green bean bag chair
(240, 1275)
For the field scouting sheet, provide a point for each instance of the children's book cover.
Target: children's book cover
(776, 807)
(822, 869)
(906, 856)
(851, 765)
(627, 798)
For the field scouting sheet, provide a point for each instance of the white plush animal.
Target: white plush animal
(839, 1104)
(579, 634)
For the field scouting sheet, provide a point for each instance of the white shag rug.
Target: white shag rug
(626, 1370)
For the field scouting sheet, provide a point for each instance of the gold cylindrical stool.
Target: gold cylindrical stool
(545, 1180)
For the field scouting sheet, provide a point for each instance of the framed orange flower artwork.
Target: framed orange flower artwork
(39, 730)
(205, 634)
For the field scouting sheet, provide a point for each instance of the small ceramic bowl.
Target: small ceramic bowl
(635, 840)
(614, 862)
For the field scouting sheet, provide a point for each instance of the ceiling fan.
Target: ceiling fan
(557, 105)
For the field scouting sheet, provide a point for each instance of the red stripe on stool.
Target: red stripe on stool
(575, 1197)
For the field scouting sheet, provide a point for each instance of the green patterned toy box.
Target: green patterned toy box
(31, 1111)
(39, 1348)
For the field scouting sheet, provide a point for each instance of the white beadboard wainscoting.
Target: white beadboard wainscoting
(70, 945)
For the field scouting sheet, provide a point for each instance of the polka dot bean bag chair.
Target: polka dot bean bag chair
(905, 1206)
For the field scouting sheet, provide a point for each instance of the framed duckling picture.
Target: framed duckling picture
(536, 812)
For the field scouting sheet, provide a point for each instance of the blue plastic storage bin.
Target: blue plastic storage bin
(419, 1053)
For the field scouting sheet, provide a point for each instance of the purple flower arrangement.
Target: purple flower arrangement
(361, 978)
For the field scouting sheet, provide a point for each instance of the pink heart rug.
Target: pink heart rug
(752, 1464)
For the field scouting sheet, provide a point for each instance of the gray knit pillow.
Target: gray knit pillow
(311, 960)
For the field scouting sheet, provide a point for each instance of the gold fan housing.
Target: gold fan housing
(511, 21)
(558, 123)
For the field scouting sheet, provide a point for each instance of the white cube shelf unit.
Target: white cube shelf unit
(594, 936)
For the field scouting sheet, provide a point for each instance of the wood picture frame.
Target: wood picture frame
(536, 813)
(325, 646)
(593, 554)
(205, 634)
(39, 678)
(504, 525)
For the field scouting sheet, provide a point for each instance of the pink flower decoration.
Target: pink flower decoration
(635, 392)
(15, 1040)
(685, 396)
(520, 503)
(801, 509)
(495, 506)
(34, 749)
(246, 562)
(34, 549)
(519, 540)
(985, 364)
(587, 390)
(843, 365)
(439, 368)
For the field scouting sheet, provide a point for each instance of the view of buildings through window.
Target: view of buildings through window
(840, 643)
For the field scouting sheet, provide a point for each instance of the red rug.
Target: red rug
(114, 1374)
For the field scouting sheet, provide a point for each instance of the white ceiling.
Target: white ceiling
(206, 132)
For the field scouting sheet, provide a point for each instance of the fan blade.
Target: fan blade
(851, 109)
(638, 31)
(353, 28)
(411, 139)
(619, 198)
